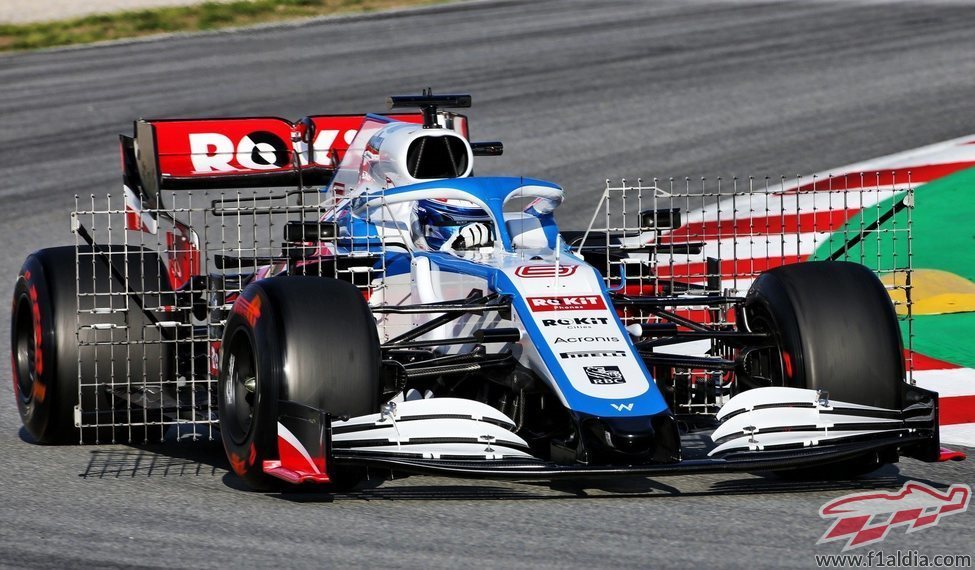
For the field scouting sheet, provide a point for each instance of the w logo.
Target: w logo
(621, 407)
(865, 518)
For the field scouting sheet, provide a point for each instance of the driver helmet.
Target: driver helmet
(440, 220)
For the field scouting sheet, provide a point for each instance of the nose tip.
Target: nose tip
(626, 436)
(633, 439)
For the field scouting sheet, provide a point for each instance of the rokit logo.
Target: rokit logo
(575, 339)
(581, 303)
(593, 354)
(576, 323)
(604, 374)
(543, 271)
(259, 150)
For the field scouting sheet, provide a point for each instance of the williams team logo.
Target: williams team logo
(604, 374)
(866, 518)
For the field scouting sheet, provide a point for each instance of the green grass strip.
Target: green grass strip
(206, 16)
(945, 337)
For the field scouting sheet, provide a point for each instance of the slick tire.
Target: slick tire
(309, 340)
(52, 366)
(836, 330)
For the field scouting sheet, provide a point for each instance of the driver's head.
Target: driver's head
(453, 226)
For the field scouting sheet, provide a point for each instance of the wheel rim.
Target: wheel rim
(767, 365)
(240, 389)
(25, 350)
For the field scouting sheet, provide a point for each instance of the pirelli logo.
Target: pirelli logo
(594, 354)
(581, 303)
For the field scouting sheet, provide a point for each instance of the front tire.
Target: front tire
(834, 329)
(309, 340)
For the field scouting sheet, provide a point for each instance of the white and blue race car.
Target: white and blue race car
(419, 319)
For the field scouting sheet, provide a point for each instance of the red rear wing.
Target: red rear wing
(244, 152)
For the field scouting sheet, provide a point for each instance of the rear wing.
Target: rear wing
(252, 152)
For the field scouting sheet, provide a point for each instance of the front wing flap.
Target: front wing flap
(534, 470)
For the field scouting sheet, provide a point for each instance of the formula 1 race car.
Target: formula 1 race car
(393, 313)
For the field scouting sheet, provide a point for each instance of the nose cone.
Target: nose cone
(640, 439)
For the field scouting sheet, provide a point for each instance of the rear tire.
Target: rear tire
(835, 329)
(309, 340)
(45, 349)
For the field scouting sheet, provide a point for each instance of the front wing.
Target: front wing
(311, 444)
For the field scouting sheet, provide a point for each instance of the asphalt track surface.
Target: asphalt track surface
(579, 91)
